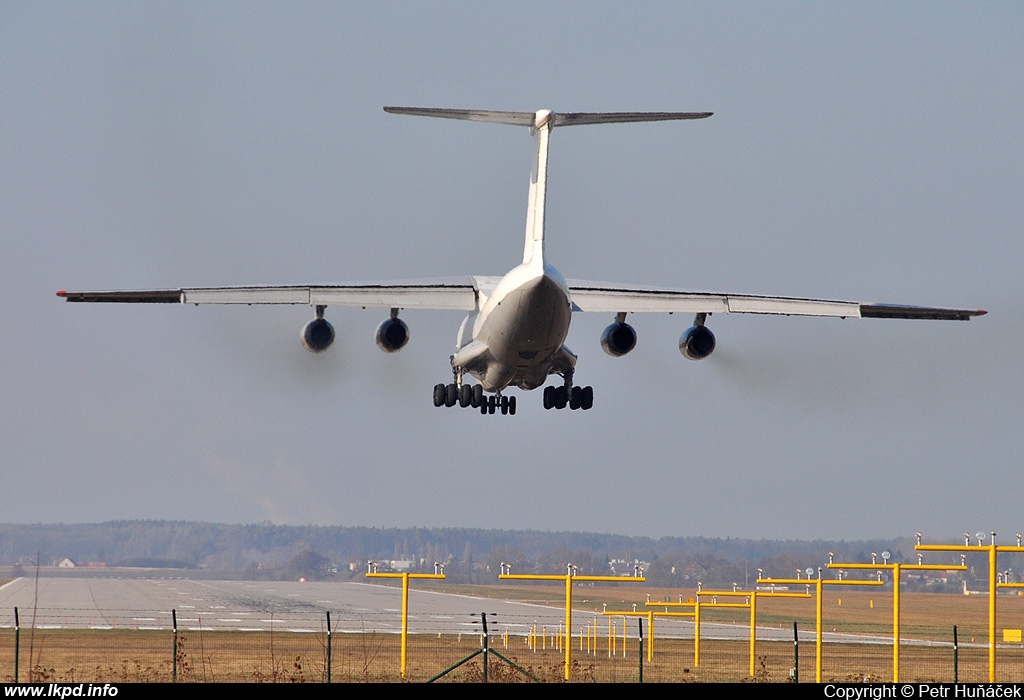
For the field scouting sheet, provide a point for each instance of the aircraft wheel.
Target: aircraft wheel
(451, 395)
(503, 405)
(492, 404)
(587, 399)
(478, 395)
(483, 406)
(440, 392)
(576, 398)
(465, 395)
(561, 395)
(511, 405)
(549, 398)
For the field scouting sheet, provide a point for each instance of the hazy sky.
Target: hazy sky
(866, 151)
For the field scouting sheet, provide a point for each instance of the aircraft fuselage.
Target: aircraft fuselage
(518, 334)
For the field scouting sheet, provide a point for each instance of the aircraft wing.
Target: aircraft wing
(453, 293)
(612, 298)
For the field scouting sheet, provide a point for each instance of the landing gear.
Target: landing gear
(467, 396)
(581, 397)
(575, 397)
(496, 403)
(453, 394)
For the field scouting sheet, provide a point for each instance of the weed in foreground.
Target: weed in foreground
(500, 672)
(761, 673)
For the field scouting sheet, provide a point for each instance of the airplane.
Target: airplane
(515, 329)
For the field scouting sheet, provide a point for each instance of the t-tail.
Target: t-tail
(541, 123)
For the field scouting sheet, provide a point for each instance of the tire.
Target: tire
(575, 398)
(451, 395)
(587, 401)
(549, 398)
(511, 405)
(440, 392)
(478, 395)
(465, 395)
(561, 394)
(503, 405)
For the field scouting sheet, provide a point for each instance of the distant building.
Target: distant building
(65, 564)
(621, 567)
(930, 578)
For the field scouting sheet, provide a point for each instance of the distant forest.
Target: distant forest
(268, 551)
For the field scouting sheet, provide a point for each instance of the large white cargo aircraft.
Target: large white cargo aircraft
(515, 330)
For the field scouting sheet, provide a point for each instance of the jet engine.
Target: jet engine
(618, 338)
(317, 335)
(697, 342)
(392, 334)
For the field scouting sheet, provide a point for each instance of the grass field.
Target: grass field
(926, 654)
(116, 656)
(923, 616)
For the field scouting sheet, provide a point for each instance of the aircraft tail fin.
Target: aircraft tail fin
(541, 123)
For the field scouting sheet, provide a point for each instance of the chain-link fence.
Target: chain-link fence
(316, 651)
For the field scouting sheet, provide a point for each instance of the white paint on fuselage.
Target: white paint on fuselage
(519, 329)
(518, 334)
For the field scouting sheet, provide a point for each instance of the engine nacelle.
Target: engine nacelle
(317, 335)
(392, 334)
(618, 339)
(696, 343)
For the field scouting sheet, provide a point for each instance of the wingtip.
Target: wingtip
(63, 293)
(980, 312)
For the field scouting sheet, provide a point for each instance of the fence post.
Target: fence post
(17, 642)
(956, 657)
(174, 656)
(328, 646)
(796, 654)
(640, 647)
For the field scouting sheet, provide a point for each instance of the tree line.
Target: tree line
(266, 550)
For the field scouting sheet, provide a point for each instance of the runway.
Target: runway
(147, 603)
(125, 602)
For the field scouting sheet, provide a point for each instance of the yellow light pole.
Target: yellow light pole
(691, 603)
(650, 615)
(818, 584)
(751, 603)
(405, 576)
(569, 577)
(993, 583)
(896, 569)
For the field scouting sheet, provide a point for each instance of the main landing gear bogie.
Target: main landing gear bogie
(466, 396)
(572, 397)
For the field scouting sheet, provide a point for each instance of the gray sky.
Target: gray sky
(867, 152)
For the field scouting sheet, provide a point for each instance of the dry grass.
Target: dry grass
(923, 616)
(145, 656)
(149, 656)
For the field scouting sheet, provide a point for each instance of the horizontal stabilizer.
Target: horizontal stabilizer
(473, 115)
(571, 118)
(531, 118)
